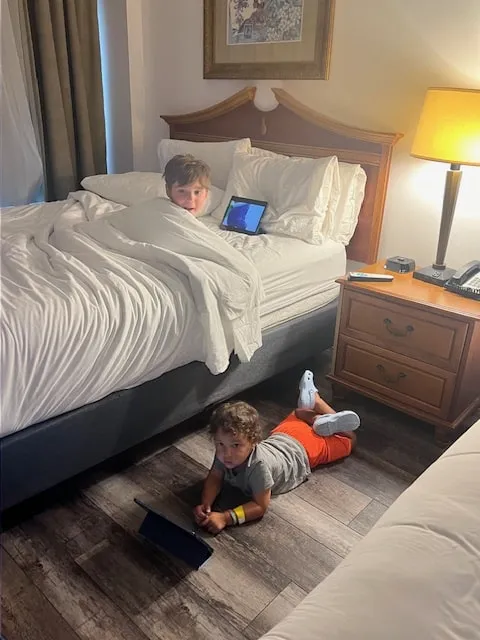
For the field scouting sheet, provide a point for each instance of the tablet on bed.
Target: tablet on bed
(244, 215)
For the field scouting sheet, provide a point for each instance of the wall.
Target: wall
(385, 54)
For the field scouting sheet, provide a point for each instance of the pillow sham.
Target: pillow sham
(353, 180)
(297, 191)
(218, 155)
(135, 187)
(346, 198)
(334, 198)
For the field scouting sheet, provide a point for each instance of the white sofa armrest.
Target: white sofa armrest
(416, 574)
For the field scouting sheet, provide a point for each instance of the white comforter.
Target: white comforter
(95, 299)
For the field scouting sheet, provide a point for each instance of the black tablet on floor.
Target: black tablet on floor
(181, 542)
(244, 215)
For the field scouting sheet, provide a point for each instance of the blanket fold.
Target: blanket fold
(225, 286)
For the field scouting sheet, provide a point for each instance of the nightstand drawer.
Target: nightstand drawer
(402, 379)
(426, 336)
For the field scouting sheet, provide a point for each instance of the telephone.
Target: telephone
(466, 281)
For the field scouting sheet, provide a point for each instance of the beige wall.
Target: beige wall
(385, 54)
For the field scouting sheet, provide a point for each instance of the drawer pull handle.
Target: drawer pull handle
(398, 333)
(390, 379)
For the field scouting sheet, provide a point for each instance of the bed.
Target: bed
(52, 443)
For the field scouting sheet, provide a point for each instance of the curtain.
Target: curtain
(21, 170)
(23, 37)
(66, 51)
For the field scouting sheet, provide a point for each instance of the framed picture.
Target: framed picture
(267, 38)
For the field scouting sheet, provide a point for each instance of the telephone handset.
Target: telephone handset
(466, 281)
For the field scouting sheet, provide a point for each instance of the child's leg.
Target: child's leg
(324, 420)
(320, 449)
(320, 407)
(334, 427)
(351, 435)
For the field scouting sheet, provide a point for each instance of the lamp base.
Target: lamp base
(433, 275)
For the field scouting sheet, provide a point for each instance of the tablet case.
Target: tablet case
(177, 540)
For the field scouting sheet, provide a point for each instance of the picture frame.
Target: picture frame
(268, 39)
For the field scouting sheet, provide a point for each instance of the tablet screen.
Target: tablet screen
(244, 215)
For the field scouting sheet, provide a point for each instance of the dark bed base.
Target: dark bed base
(45, 454)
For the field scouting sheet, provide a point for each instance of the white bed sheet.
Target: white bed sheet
(297, 278)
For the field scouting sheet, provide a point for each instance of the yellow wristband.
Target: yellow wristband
(240, 513)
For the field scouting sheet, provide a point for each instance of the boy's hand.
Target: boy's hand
(216, 522)
(201, 514)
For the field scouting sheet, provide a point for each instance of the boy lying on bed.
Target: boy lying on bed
(187, 181)
(310, 436)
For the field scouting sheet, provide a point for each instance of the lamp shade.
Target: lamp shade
(449, 127)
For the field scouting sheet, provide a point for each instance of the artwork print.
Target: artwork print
(264, 21)
(253, 39)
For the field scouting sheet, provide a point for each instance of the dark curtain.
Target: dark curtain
(66, 47)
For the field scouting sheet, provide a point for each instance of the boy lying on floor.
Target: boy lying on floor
(312, 435)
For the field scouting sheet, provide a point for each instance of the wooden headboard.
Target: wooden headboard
(296, 130)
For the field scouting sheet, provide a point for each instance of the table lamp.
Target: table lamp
(448, 131)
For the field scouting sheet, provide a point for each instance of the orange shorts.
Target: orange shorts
(320, 449)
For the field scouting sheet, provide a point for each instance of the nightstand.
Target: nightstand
(410, 345)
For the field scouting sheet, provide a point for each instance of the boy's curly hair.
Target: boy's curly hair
(186, 169)
(237, 418)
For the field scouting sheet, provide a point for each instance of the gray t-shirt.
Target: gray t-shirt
(278, 463)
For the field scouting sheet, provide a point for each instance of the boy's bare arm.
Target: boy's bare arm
(211, 488)
(254, 509)
(247, 512)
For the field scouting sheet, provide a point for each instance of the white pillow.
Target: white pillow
(218, 155)
(352, 180)
(135, 187)
(346, 199)
(257, 151)
(334, 193)
(127, 188)
(297, 191)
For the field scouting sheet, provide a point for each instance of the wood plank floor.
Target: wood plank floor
(74, 566)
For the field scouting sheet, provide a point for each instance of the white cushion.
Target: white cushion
(353, 179)
(257, 151)
(135, 187)
(334, 193)
(297, 191)
(416, 574)
(346, 199)
(218, 155)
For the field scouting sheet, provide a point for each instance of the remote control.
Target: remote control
(361, 276)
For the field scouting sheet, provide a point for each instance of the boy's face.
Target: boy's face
(191, 197)
(231, 449)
